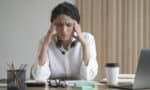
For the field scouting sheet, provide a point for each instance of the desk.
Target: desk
(102, 87)
(99, 87)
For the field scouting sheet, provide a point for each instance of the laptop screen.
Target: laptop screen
(142, 78)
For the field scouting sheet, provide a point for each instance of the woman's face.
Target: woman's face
(64, 27)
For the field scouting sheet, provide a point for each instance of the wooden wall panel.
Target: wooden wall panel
(121, 29)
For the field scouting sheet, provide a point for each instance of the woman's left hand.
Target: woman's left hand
(78, 35)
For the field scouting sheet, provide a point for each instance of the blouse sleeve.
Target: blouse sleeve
(40, 72)
(89, 72)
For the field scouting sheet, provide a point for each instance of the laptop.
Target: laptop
(142, 77)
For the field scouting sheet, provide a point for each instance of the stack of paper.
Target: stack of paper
(122, 78)
(3, 82)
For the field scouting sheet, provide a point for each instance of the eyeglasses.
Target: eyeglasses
(57, 83)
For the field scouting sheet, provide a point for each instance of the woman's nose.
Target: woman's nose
(64, 29)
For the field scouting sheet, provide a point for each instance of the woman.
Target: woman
(66, 52)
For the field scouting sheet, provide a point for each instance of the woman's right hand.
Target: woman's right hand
(47, 39)
(50, 34)
(52, 30)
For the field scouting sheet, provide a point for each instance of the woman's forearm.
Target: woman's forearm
(43, 52)
(85, 53)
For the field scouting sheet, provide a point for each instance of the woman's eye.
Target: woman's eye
(69, 24)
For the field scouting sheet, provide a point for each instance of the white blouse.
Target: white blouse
(68, 64)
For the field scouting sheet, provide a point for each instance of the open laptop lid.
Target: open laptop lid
(142, 78)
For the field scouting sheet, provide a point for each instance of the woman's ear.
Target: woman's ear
(55, 39)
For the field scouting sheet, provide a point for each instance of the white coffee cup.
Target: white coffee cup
(112, 73)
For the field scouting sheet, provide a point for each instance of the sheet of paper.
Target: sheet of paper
(122, 78)
(126, 76)
(34, 81)
(3, 83)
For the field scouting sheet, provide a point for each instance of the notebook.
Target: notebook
(3, 82)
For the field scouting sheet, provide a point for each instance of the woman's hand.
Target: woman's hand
(50, 34)
(78, 35)
(47, 39)
(52, 30)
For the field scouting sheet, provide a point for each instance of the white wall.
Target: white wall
(22, 24)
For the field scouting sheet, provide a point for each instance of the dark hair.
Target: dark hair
(66, 9)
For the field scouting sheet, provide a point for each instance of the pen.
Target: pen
(14, 71)
(9, 66)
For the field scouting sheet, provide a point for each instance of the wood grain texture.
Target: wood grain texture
(121, 29)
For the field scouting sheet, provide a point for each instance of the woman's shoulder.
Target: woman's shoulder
(88, 36)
